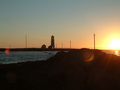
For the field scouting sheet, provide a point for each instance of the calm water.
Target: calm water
(112, 52)
(23, 56)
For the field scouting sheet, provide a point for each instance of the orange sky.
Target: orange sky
(73, 20)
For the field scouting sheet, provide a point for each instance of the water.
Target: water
(23, 56)
(116, 52)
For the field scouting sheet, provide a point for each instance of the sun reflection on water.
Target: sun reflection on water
(117, 53)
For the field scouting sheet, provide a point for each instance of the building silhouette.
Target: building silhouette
(52, 46)
(49, 47)
(52, 42)
(43, 46)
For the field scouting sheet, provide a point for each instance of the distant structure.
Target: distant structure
(52, 42)
(49, 47)
(94, 41)
(43, 46)
(26, 40)
(52, 46)
(70, 44)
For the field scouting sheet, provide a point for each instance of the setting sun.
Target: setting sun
(115, 44)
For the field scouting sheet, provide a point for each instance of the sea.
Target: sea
(24, 56)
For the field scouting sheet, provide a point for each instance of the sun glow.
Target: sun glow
(115, 44)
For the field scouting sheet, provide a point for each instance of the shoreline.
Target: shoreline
(37, 49)
(74, 70)
(56, 49)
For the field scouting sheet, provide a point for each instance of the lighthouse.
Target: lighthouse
(52, 42)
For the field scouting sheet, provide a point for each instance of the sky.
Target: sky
(67, 20)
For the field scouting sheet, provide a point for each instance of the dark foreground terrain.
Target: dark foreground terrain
(74, 70)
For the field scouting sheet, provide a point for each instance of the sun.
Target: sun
(115, 44)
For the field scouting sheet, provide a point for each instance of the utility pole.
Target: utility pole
(94, 41)
(62, 45)
(26, 40)
(70, 44)
(9, 46)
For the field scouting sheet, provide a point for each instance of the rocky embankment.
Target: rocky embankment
(75, 70)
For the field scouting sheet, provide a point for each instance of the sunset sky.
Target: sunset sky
(67, 20)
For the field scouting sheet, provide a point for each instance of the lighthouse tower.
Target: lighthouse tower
(52, 42)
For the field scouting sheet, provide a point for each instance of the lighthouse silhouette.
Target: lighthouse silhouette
(52, 42)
